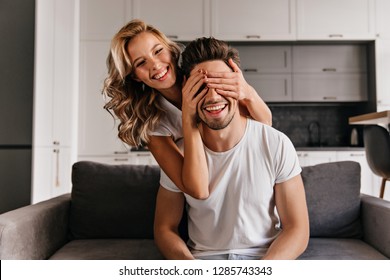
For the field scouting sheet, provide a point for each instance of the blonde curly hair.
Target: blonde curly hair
(133, 103)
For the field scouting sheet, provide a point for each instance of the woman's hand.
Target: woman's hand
(231, 84)
(234, 85)
(193, 91)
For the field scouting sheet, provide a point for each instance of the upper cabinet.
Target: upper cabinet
(253, 20)
(180, 20)
(335, 19)
(382, 19)
(268, 70)
(101, 19)
(329, 73)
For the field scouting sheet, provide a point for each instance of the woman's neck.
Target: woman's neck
(173, 95)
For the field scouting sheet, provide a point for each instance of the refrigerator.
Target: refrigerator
(17, 19)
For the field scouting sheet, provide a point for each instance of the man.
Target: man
(256, 208)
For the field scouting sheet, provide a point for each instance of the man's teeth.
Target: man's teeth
(160, 75)
(215, 108)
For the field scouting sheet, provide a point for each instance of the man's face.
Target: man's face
(213, 109)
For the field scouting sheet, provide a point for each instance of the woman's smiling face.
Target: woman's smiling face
(152, 61)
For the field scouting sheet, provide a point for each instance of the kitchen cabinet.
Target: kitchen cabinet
(101, 19)
(253, 20)
(268, 70)
(97, 133)
(308, 158)
(181, 20)
(382, 61)
(329, 73)
(55, 93)
(335, 19)
(382, 19)
(136, 158)
(52, 172)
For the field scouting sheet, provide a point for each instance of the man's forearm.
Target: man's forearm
(289, 245)
(172, 246)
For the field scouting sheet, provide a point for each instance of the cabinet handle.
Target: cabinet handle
(142, 155)
(335, 35)
(253, 70)
(330, 98)
(329, 69)
(357, 155)
(253, 36)
(57, 175)
(285, 88)
(121, 159)
(120, 153)
(56, 142)
(173, 36)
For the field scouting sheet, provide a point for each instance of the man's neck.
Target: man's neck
(224, 139)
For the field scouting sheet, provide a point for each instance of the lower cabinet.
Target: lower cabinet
(138, 158)
(52, 168)
(369, 181)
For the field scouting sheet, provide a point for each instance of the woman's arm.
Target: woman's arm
(189, 173)
(234, 85)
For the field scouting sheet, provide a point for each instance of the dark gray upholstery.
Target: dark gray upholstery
(333, 194)
(113, 201)
(110, 213)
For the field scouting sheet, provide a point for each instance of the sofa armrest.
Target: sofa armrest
(35, 231)
(376, 223)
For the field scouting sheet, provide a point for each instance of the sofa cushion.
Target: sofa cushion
(333, 199)
(340, 249)
(113, 201)
(109, 249)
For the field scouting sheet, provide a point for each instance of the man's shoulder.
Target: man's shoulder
(265, 129)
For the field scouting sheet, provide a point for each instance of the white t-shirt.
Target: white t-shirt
(240, 216)
(171, 123)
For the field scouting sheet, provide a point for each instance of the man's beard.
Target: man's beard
(217, 125)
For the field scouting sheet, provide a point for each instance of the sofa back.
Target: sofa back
(113, 201)
(118, 201)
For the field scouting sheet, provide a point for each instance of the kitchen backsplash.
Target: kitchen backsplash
(299, 123)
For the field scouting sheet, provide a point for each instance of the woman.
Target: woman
(147, 92)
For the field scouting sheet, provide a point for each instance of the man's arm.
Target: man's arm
(291, 205)
(169, 210)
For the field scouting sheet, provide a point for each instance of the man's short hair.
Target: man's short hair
(206, 49)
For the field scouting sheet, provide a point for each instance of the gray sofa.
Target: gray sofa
(109, 215)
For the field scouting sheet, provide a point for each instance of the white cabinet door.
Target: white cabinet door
(268, 70)
(329, 87)
(181, 20)
(367, 177)
(271, 87)
(309, 158)
(98, 134)
(329, 73)
(52, 172)
(55, 93)
(55, 67)
(382, 18)
(101, 19)
(345, 58)
(382, 60)
(253, 20)
(335, 19)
